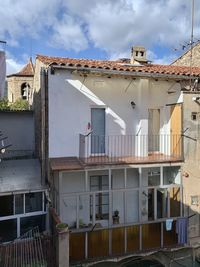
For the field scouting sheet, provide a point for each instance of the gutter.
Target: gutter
(87, 71)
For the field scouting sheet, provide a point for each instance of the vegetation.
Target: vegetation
(19, 104)
(4, 105)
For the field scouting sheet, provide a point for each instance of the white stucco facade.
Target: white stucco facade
(71, 98)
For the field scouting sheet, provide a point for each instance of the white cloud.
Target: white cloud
(12, 66)
(167, 59)
(19, 19)
(113, 26)
(68, 34)
(117, 25)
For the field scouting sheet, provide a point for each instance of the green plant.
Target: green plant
(35, 264)
(61, 225)
(20, 104)
(4, 105)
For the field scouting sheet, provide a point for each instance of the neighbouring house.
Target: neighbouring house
(22, 191)
(2, 73)
(191, 131)
(20, 84)
(185, 58)
(112, 134)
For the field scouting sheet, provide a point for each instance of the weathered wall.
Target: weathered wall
(184, 60)
(19, 127)
(191, 167)
(37, 106)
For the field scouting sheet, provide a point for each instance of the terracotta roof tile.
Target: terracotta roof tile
(27, 70)
(119, 66)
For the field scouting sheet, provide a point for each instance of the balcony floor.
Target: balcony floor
(74, 163)
(151, 158)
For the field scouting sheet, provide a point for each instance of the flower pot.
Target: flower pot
(62, 227)
(115, 219)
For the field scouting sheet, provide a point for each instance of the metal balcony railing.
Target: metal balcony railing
(130, 148)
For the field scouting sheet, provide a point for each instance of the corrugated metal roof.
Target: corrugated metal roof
(20, 175)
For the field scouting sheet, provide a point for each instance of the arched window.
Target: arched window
(25, 91)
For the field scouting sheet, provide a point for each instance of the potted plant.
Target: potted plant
(62, 227)
(116, 217)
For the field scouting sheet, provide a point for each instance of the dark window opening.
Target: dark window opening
(25, 90)
(162, 200)
(141, 53)
(6, 205)
(33, 202)
(19, 204)
(100, 183)
(194, 116)
(8, 230)
(150, 197)
(28, 223)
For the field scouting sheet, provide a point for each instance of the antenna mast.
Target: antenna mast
(191, 43)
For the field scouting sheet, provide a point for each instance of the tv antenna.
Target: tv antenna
(2, 44)
(191, 44)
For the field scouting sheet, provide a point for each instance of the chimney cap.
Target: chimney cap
(138, 48)
(138, 55)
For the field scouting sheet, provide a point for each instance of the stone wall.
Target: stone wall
(191, 167)
(14, 84)
(184, 60)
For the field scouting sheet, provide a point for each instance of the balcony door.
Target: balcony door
(154, 130)
(98, 131)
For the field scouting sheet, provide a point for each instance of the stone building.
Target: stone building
(191, 133)
(184, 59)
(20, 84)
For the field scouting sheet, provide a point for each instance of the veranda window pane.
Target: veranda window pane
(19, 204)
(6, 205)
(28, 223)
(33, 202)
(8, 230)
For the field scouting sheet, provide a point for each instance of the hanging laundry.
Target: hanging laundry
(182, 230)
(168, 224)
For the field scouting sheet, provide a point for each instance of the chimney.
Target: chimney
(138, 55)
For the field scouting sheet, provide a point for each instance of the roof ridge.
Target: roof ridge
(27, 70)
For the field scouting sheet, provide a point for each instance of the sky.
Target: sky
(95, 29)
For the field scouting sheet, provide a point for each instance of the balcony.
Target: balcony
(130, 149)
(118, 241)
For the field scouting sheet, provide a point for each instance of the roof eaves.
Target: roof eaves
(139, 73)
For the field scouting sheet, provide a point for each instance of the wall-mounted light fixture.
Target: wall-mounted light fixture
(133, 105)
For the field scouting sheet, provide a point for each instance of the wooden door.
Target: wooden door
(176, 130)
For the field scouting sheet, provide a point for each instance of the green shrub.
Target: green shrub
(4, 105)
(19, 104)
